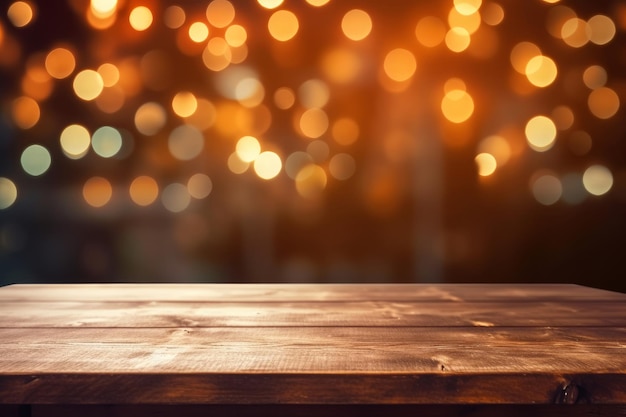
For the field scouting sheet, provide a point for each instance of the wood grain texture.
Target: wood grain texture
(311, 344)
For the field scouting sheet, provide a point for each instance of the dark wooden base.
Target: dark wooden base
(586, 410)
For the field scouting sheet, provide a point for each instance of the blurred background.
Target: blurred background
(313, 141)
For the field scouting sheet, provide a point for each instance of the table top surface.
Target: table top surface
(311, 344)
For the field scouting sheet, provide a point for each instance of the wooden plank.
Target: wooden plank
(314, 350)
(304, 292)
(261, 410)
(376, 313)
(146, 388)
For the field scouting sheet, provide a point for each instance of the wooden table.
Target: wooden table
(303, 350)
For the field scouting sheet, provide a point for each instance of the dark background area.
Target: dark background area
(415, 209)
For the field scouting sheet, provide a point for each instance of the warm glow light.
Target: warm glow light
(521, 54)
(249, 92)
(270, 4)
(140, 18)
(314, 93)
(467, 7)
(75, 141)
(295, 162)
(470, 22)
(111, 99)
(110, 74)
(106, 141)
(103, 8)
(603, 102)
(199, 186)
(60, 63)
(486, 164)
(345, 131)
(88, 85)
(184, 104)
(236, 165)
(185, 142)
(496, 146)
(597, 180)
(314, 123)
(457, 106)
(236, 35)
(20, 13)
(311, 181)
(563, 117)
(97, 191)
(342, 166)
(248, 148)
(547, 189)
(400, 64)
(356, 24)
(174, 17)
(144, 190)
(198, 32)
(8, 193)
(457, 39)
(220, 13)
(283, 25)
(35, 160)
(284, 98)
(204, 116)
(493, 14)
(602, 29)
(267, 165)
(595, 76)
(217, 55)
(557, 16)
(540, 133)
(175, 197)
(541, 71)
(319, 150)
(25, 112)
(430, 31)
(454, 84)
(150, 118)
(341, 65)
(317, 3)
(575, 32)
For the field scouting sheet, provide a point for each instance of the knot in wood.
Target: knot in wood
(568, 394)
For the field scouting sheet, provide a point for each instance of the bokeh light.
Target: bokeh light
(60, 63)
(150, 118)
(248, 148)
(75, 140)
(8, 193)
(88, 85)
(486, 164)
(342, 166)
(356, 24)
(400, 64)
(314, 123)
(220, 13)
(430, 31)
(25, 112)
(185, 142)
(106, 141)
(140, 18)
(97, 191)
(175, 197)
(283, 25)
(199, 186)
(603, 102)
(457, 106)
(35, 160)
(21, 13)
(267, 165)
(540, 133)
(546, 188)
(144, 190)
(598, 180)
